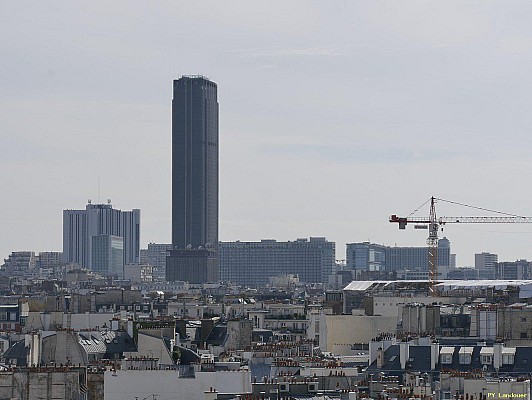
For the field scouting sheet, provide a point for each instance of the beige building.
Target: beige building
(45, 383)
(339, 333)
(514, 323)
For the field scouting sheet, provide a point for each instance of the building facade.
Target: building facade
(194, 179)
(19, 263)
(253, 263)
(155, 255)
(520, 269)
(485, 265)
(108, 255)
(194, 163)
(375, 257)
(81, 226)
(50, 259)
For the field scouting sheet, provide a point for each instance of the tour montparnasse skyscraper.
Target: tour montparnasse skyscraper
(194, 181)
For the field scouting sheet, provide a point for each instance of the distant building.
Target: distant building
(368, 256)
(192, 266)
(155, 255)
(19, 263)
(49, 259)
(138, 273)
(453, 260)
(108, 255)
(520, 269)
(485, 264)
(81, 226)
(462, 273)
(194, 181)
(253, 263)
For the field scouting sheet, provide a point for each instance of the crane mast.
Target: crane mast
(432, 242)
(434, 224)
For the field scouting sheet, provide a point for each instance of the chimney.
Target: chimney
(32, 342)
(403, 353)
(373, 347)
(423, 341)
(46, 319)
(211, 394)
(114, 324)
(434, 354)
(497, 355)
(348, 395)
(380, 357)
(130, 327)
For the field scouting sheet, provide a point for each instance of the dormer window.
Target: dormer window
(508, 355)
(465, 355)
(446, 355)
(486, 356)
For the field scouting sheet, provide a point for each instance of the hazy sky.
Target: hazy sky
(333, 115)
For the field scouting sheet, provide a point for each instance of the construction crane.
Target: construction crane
(434, 224)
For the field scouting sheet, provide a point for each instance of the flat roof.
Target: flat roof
(525, 286)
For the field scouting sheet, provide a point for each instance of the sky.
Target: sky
(333, 115)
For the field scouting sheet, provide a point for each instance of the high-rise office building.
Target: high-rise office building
(485, 265)
(108, 255)
(49, 259)
(368, 256)
(81, 226)
(253, 263)
(520, 269)
(194, 181)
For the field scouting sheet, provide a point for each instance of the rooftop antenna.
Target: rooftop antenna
(98, 190)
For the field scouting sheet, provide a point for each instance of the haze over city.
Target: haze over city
(333, 116)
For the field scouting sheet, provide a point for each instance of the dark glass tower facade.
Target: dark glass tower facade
(194, 163)
(194, 180)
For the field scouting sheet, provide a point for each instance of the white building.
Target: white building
(167, 384)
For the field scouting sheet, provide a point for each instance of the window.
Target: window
(524, 335)
(446, 359)
(507, 359)
(486, 359)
